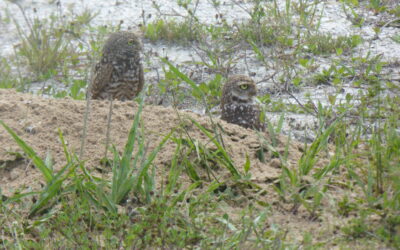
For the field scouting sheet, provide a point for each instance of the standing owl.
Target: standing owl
(119, 74)
(238, 102)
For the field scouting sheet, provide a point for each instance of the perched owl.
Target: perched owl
(238, 102)
(119, 74)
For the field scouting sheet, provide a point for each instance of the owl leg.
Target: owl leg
(109, 119)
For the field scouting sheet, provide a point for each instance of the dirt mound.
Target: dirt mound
(37, 121)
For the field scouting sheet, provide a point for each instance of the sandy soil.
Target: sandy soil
(37, 120)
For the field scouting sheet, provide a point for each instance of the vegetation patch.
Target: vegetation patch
(175, 179)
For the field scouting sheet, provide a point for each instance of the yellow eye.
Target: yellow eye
(130, 42)
(244, 86)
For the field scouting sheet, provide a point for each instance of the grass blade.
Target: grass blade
(37, 161)
(226, 159)
(197, 91)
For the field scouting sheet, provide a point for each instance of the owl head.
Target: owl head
(239, 89)
(122, 44)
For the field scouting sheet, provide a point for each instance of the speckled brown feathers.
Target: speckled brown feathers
(119, 74)
(238, 102)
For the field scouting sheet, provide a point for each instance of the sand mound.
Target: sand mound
(37, 121)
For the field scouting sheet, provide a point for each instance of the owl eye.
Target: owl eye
(130, 42)
(244, 86)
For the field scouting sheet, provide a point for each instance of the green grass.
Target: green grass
(173, 31)
(349, 172)
(326, 44)
(175, 216)
(53, 48)
(45, 48)
(7, 80)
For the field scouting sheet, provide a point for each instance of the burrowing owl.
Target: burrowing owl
(119, 74)
(238, 102)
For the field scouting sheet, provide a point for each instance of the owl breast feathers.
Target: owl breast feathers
(119, 74)
(238, 103)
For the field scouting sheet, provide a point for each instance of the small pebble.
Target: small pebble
(30, 130)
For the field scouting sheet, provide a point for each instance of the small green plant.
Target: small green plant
(395, 10)
(222, 156)
(396, 38)
(172, 85)
(212, 90)
(345, 206)
(356, 19)
(357, 228)
(305, 185)
(377, 5)
(173, 31)
(124, 179)
(324, 44)
(47, 44)
(75, 90)
(54, 180)
(45, 48)
(7, 80)
(129, 175)
(266, 36)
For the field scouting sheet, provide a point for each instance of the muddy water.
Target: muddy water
(333, 19)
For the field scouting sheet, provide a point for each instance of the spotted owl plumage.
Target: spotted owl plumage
(238, 104)
(119, 74)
